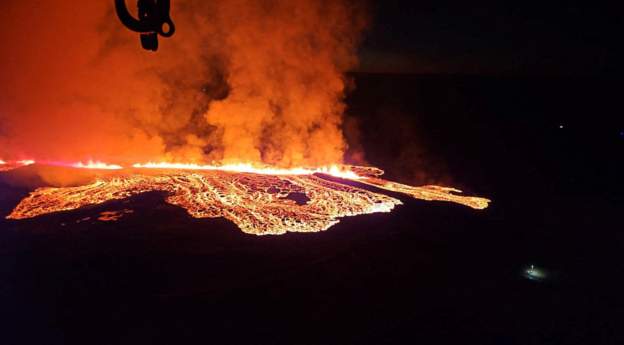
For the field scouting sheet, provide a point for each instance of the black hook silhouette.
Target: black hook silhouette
(153, 20)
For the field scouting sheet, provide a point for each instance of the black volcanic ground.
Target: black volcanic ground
(429, 272)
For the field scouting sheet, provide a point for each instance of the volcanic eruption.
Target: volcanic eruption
(241, 112)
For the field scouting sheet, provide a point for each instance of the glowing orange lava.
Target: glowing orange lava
(259, 201)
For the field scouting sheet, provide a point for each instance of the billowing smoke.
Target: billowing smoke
(241, 80)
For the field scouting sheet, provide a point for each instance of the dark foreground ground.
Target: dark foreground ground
(427, 273)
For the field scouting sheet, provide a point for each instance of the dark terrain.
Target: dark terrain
(429, 272)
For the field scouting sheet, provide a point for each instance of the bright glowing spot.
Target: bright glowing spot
(560, 126)
(2, 162)
(96, 165)
(26, 162)
(535, 273)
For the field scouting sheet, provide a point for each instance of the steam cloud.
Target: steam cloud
(242, 80)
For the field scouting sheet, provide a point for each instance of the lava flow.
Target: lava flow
(258, 201)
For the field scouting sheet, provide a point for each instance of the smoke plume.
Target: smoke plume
(240, 81)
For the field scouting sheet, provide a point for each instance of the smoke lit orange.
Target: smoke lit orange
(246, 80)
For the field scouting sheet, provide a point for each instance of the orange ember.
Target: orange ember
(259, 202)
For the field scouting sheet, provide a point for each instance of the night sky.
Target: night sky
(500, 38)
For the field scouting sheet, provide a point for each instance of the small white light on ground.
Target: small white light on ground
(535, 273)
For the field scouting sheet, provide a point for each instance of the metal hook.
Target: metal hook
(153, 20)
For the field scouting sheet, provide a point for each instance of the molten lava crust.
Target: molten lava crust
(257, 203)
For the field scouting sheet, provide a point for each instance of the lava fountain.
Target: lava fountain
(259, 201)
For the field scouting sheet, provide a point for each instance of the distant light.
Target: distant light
(535, 273)
(560, 126)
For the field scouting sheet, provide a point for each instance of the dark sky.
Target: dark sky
(515, 37)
